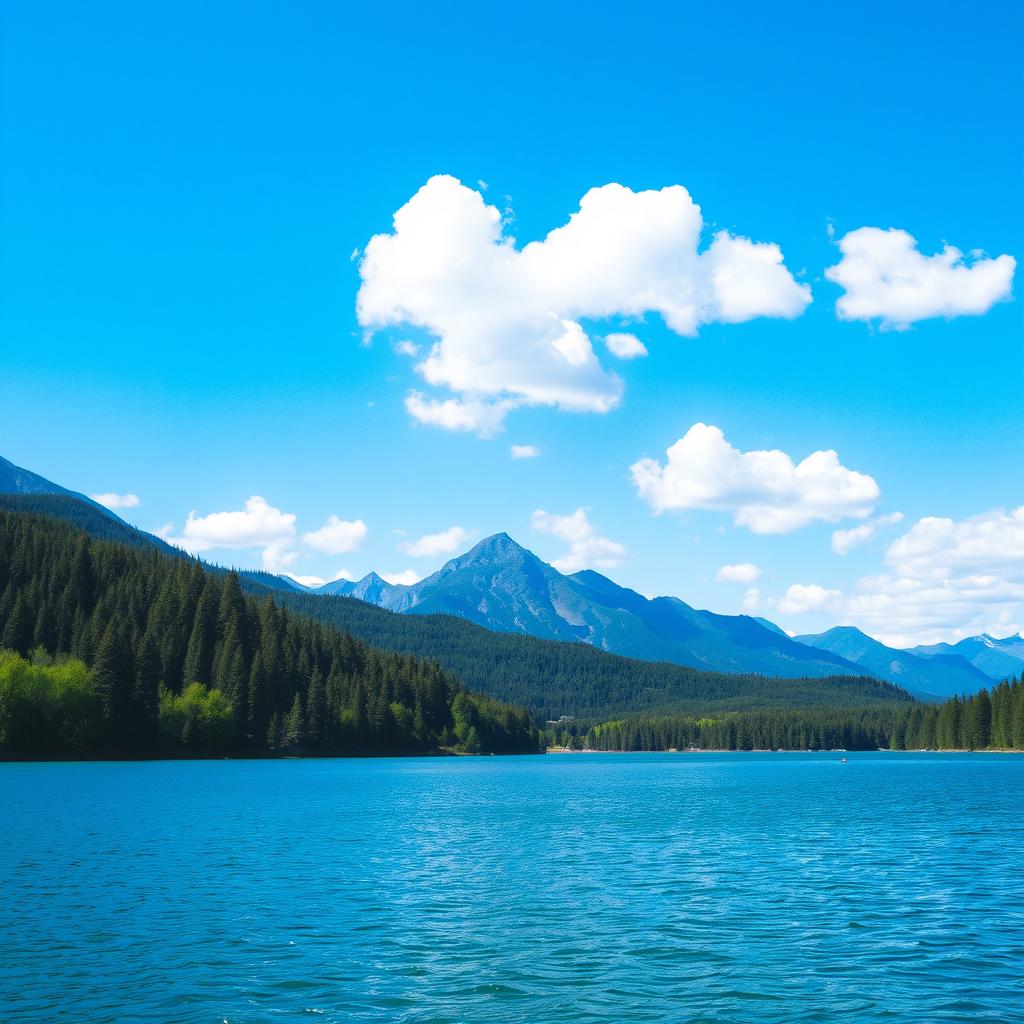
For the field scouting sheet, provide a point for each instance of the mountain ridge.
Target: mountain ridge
(942, 675)
(505, 587)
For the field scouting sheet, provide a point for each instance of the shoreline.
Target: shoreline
(759, 750)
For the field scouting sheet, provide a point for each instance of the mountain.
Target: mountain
(371, 588)
(941, 675)
(15, 480)
(998, 659)
(502, 586)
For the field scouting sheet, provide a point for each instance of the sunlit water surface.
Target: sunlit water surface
(610, 888)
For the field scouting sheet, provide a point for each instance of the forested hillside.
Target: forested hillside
(127, 650)
(982, 721)
(553, 678)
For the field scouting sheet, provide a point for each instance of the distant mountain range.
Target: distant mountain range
(504, 587)
(942, 674)
(996, 658)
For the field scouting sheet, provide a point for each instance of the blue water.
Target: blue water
(609, 888)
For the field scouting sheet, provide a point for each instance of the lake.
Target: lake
(605, 888)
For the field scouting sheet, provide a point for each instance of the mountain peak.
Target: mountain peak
(499, 547)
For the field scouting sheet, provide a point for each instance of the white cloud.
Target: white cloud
(938, 549)
(507, 320)
(344, 574)
(587, 548)
(946, 579)
(625, 346)
(113, 501)
(751, 601)
(483, 418)
(258, 525)
(886, 278)
(742, 572)
(407, 348)
(524, 451)
(337, 536)
(810, 598)
(433, 544)
(405, 578)
(308, 581)
(767, 492)
(844, 541)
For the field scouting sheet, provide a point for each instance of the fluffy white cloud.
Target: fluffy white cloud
(433, 544)
(844, 541)
(114, 501)
(587, 548)
(742, 572)
(524, 451)
(751, 601)
(886, 278)
(337, 536)
(766, 490)
(507, 320)
(405, 578)
(258, 525)
(810, 598)
(625, 346)
(407, 348)
(939, 549)
(946, 579)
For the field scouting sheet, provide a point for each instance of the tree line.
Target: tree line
(982, 721)
(127, 650)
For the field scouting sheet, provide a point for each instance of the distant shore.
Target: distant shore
(836, 750)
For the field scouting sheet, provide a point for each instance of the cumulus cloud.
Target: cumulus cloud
(751, 601)
(407, 348)
(742, 572)
(405, 578)
(810, 598)
(625, 346)
(844, 541)
(765, 490)
(337, 536)
(444, 543)
(507, 321)
(945, 579)
(115, 501)
(938, 548)
(258, 525)
(886, 278)
(587, 548)
(524, 451)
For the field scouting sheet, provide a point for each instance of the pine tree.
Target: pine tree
(113, 678)
(146, 693)
(294, 726)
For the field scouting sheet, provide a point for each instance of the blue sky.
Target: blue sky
(184, 193)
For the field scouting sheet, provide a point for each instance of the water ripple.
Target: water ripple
(674, 888)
